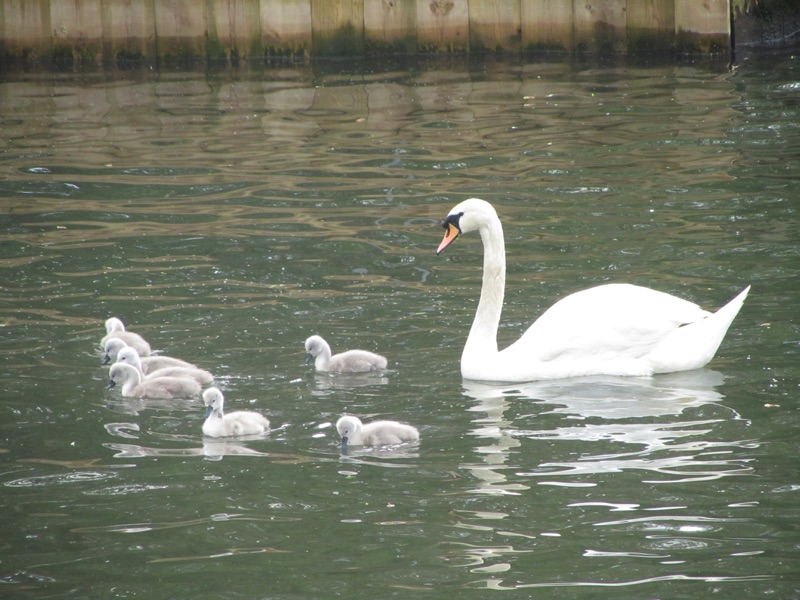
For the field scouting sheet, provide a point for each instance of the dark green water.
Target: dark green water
(227, 216)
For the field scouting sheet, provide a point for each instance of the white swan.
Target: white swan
(612, 329)
(116, 328)
(219, 424)
(378, 433)
(129, 355)
(352, 361)
(133, 385)
(148, 364)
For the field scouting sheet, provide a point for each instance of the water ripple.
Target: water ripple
(59, 479)
(497, 584)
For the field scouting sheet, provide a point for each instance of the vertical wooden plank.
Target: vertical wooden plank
(26, 30)
(251, 14)
(703, 26)
(494, 25)
(390, 25)
(180, 30)
(234, 29)
(547, 25)
(129, 32)
(600, 25)
(651, 25)
(77, 31)
(286, 27)
(337, 27)
(442, 25)
(711, 16)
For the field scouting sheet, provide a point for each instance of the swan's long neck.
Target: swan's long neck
(132, 381)
(323, 358)
(482, 340)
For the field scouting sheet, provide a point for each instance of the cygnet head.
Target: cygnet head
(315, 346)
(112, 348)
(130, 356)
(114, 324)
(120, 373)
(469, 215)
(214, 401)
(347, 426)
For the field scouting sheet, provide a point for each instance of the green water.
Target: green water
(226, 216)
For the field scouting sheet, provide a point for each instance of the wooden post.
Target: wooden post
(390, 25)
(25, 30)
(77, 32)
(600, 26)
(180, 30)
(337, 27)
(286, 27)
(703, 27)
(651, 25)
(129, 32)
(234, 29)
(494, 25)
(547, 25)
(442, 25)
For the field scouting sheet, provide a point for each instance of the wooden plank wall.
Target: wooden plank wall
(80, 32)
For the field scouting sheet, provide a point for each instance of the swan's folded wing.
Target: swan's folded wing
(606, 322)
(356, 361)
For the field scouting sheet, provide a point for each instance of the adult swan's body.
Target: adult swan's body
(613, 329)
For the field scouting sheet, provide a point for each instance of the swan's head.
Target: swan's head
(347, 426)
(213, 400)
(128, 355)
(112, 349)
(120, 373)
(469, 215)
(314, 346)
(114, 324)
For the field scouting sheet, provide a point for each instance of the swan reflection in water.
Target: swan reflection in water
(210, 448)
(607, 409)
(126, 405)
(213, 449)
(325, 382)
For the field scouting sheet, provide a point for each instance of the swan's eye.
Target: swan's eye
(453, 220)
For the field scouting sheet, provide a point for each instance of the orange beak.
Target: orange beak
(451, 234)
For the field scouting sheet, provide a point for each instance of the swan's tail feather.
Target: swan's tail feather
(694, 345)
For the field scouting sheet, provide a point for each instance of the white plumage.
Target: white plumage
(219, 424)
(378, 433)
(352, 361)
(112, 348)
(149, 364)
(116, 328)
(130, 356)
(613, 329)
(132, 384)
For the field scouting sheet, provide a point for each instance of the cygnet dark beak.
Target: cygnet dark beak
(106, 359)
(111, 383)
(309, 358)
